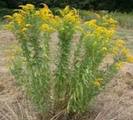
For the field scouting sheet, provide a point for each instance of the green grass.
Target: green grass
(88, 15)
(125, 20)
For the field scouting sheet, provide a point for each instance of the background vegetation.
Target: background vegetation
(111, 5)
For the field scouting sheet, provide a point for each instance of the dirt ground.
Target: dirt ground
(114, 103)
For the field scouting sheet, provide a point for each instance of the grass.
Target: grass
(125, 20)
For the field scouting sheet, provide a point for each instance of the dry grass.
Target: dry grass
(16, 111)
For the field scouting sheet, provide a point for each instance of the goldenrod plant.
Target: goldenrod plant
(77, 77)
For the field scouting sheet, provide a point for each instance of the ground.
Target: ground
(114, 103)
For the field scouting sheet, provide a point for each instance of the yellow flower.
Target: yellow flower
(124, 51)
(70, 15)
(100, 30)
(103, 32)
(97, 82)
(9, 26)
(111, 21)
(130, 59)
(45, 13)
(104, 49)
(55, 22)
(120, 43)
(119, 65)
(119, 48)
(91, 23)
(65, 10)
(27, 7)
(46, 28)
(22, 12)
(18, 18)
(23, 29)
(110, 33)
(28, 25)
(115, 51)
(8, 17)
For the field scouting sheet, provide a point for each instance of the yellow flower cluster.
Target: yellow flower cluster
(28, 7)
(104, 31)
(119, 65)
(109, 22)
(70, 15)
(130, 58)
(45, 13)
(99, 29)
(16, 17)
(22, 19)
(48, 22)
(19, 17)
(120, 49)
(102, 28)
(46, 28)
(121, 52)
(120, 43)
(92, 23)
